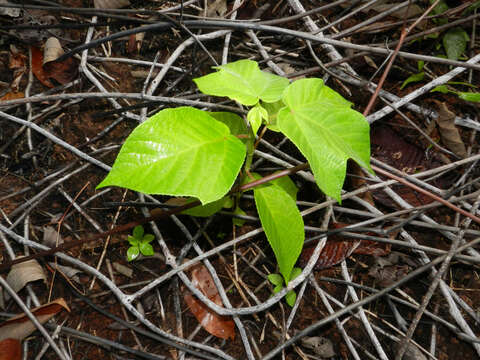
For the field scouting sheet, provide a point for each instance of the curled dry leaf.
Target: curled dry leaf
(52, 50)
(448, 131)
(20, 326)
(219, 326)
(10, 349)
(23, 273)
(110, 4)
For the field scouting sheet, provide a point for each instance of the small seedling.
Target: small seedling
(139, 243)
(198, 154)
(277, 281)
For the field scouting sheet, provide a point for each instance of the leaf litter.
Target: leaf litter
(395, 268)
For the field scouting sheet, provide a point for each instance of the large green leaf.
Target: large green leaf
(455, 42)
(183, 152)
(327, 131)
(244, 82)
(282, 223)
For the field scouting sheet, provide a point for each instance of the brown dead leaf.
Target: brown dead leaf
(334, 252)
(20, 326)
(448, 131)
(10, 349)
(336, 249)
(37, 67)
(12, 96)
(389, 147)
(373, 248)
(18, 63)
(219, 326)
(62, 71)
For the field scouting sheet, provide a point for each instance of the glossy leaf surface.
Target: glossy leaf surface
(244, 82)
(183, 152)
(282, 223)
(327, 131)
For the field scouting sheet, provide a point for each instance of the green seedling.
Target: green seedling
(277, 281)
(139, 243)
(200, 154)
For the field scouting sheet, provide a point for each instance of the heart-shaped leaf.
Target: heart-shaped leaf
(181, 152)
(327, 131)
(282, 223)
(244, 82)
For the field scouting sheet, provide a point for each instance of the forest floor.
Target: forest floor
(390, 274)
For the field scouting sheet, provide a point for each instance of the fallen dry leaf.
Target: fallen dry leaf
(23, 273)
(37, 67)
(448, 131)
(12, 96)
(334, 252)
(62, 71)
(51, 237)
(20, 326)
(336, 249)
(219, 326)
(18, 63)
(10, 349)
(390, 148)
(216, 8)
(388, 270)
(52, 50)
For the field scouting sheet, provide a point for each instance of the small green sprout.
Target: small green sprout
(140, 243)
(277, 281)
